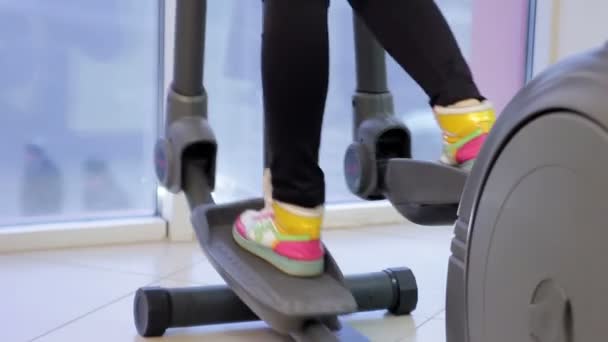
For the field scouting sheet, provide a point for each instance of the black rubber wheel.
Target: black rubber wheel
(406, 291)
(152, 311)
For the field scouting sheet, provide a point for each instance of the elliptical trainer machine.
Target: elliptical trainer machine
(528, 255)
(306, 309)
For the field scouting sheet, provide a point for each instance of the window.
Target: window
(234, 85)
(79, 96)
(563, 28)
(411, 104)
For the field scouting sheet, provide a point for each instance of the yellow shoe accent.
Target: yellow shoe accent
(457, 123)
(290, 223)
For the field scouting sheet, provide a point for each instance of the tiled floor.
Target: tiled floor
(87, 294)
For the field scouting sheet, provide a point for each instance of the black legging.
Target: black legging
(295, 72)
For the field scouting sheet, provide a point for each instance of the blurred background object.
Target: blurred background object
(42, 192)
(101, 190)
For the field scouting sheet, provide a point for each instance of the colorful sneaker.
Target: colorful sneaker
(286, 236)
(464, 132)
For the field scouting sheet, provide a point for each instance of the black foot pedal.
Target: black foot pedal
(283, 301)
(424, 192)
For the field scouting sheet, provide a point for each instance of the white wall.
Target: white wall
(582, 25)
(566, 27)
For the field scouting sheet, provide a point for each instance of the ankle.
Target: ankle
(465, 103)
(296, 220)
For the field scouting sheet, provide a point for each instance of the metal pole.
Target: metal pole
(189, 144)
(186, 96)
(372, 97)
(189, 50)
(370, 60)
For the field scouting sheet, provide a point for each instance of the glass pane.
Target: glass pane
(79, 96)
(234, 85)
(233, 82)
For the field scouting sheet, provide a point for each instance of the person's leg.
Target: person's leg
(416, 34)
(295, 68)
(295, 73)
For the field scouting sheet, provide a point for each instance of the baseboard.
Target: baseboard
(81, 234)
(357, 215)
(107, 232)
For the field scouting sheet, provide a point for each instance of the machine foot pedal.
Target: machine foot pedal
(283, 301)
(424, 192)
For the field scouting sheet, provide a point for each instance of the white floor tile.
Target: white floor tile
(92, 288)
(431, 331)
(38, 296)
(157, 259)
(115, 323)
(201, 273)
(380, 326)
(360, 251)
(412, 231)
(365, 251)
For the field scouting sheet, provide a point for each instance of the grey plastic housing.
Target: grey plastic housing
(380, 138)
(187, 128)
(541, 216)
(181, 106)
(571, 93)
(371, 107)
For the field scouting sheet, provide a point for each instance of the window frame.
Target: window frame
(543, 35)
(37, 236)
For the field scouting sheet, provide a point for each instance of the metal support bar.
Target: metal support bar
(196, 183)
(370, 60)
(372, 97)
(157, 309)
(189, 48)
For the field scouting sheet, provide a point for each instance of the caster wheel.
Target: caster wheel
(163, 164)
(152, 310)
(359, 170)
(406, 289)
